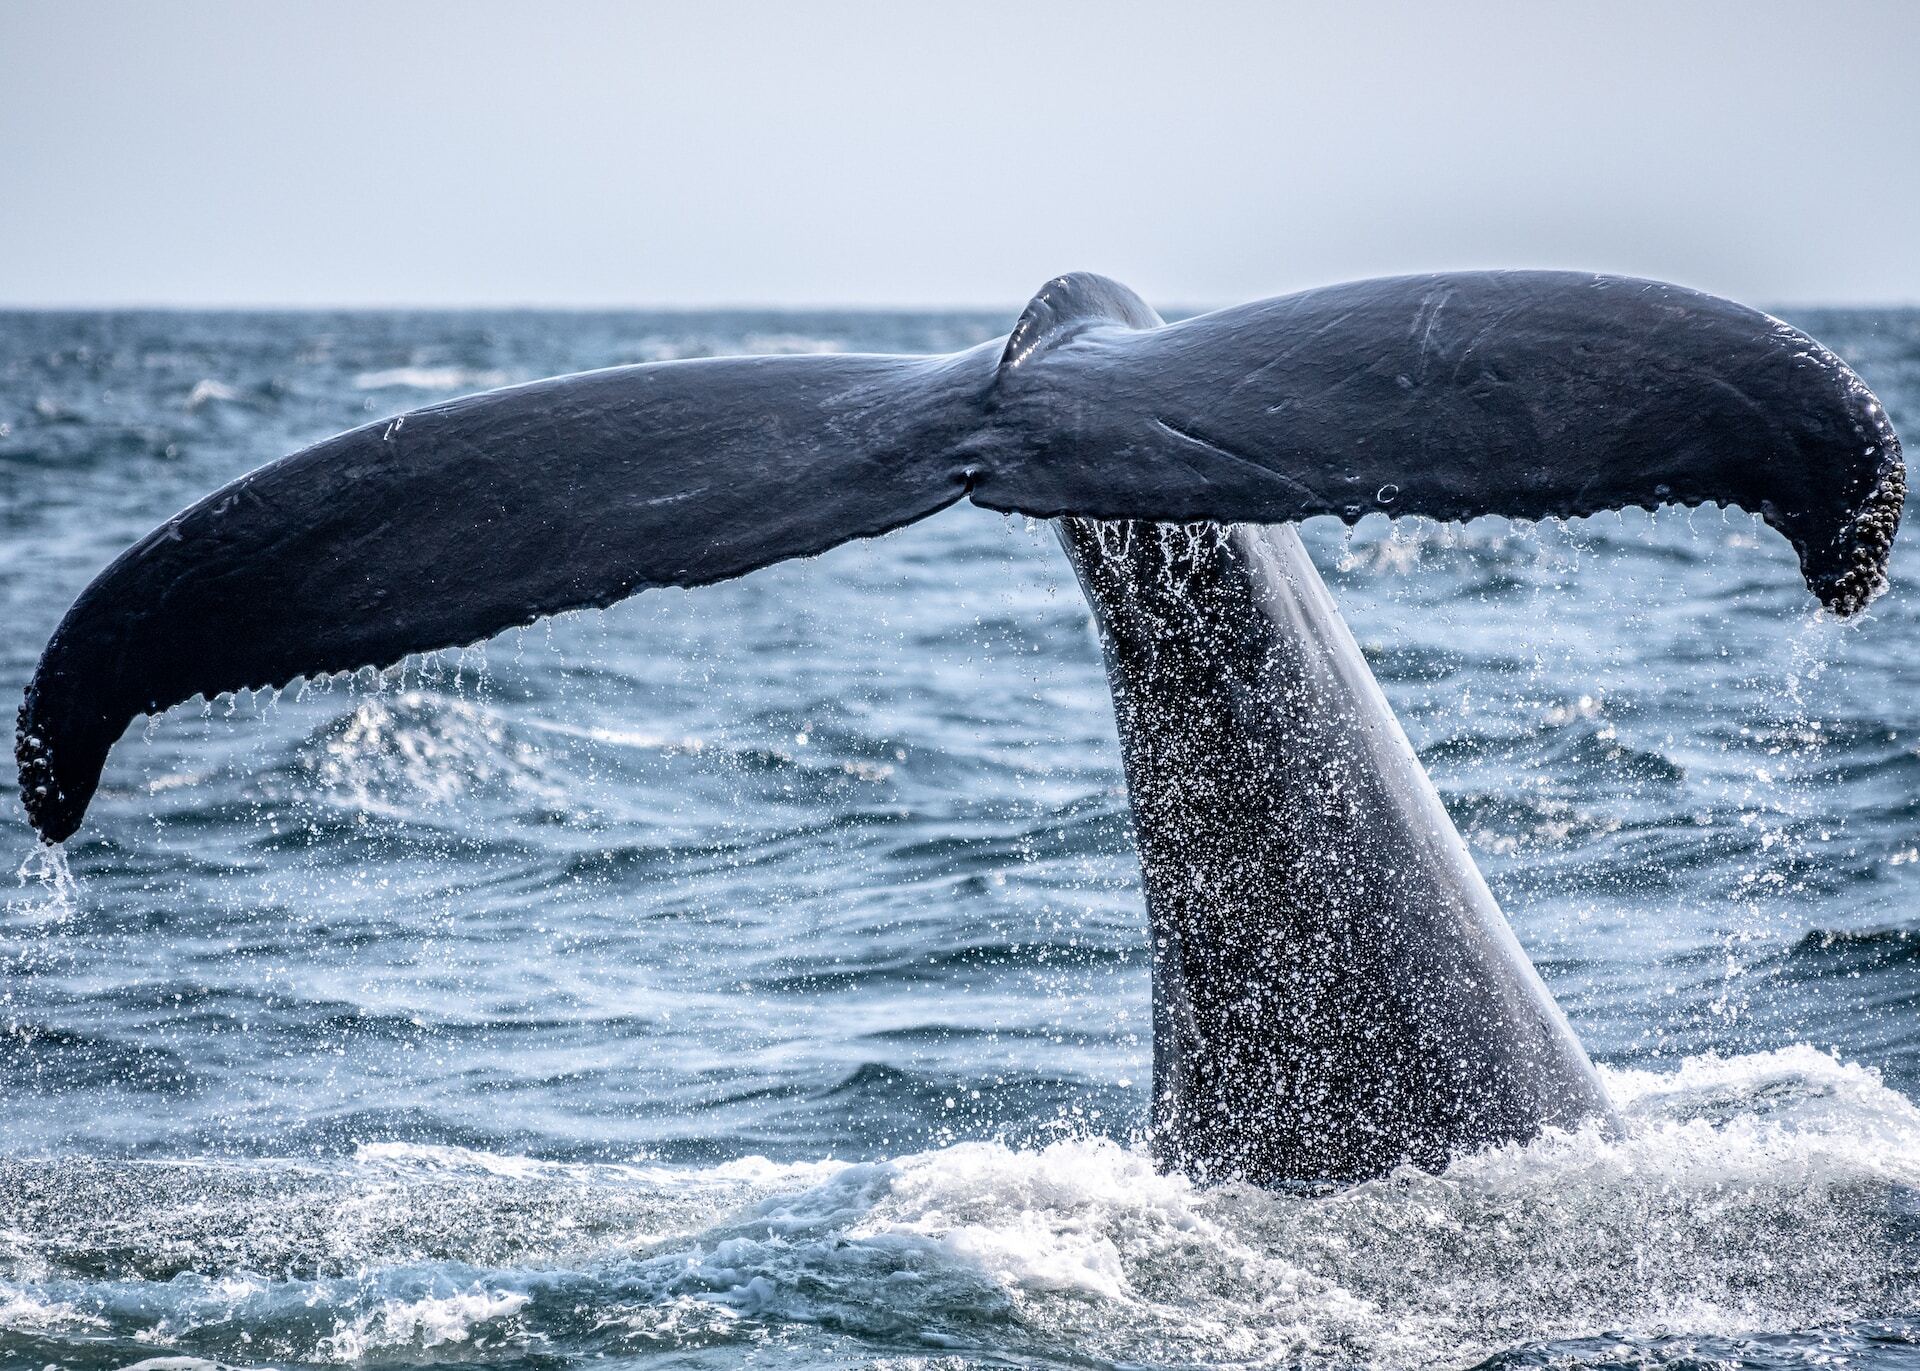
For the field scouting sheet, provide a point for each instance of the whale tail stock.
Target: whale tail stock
(1521, 393)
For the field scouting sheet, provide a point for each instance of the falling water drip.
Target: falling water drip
(46, 866)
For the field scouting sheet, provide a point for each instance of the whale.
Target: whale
(1336, 990)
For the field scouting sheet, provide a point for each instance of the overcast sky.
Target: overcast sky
(951, 153)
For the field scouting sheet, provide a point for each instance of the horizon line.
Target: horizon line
(731, 307)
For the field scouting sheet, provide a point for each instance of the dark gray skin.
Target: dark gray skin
(1335, 989)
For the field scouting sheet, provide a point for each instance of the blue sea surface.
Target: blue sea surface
(757, 974)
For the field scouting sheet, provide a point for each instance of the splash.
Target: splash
(391, 753)
(1746, 1197)
(56, 894)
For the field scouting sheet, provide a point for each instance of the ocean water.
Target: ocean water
(756, 975)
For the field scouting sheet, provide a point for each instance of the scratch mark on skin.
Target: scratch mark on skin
(1291, 344)
(675, 498)
(1265, 475)
(1429, 312)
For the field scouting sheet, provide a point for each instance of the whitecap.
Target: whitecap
(429, 1321)
(207, 391)
(430, 378)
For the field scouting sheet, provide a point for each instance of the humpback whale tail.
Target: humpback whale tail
(1335, 988)
(1521, 393)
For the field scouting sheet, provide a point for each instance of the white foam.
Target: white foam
(24, 1311)
(1745, 1195)
(755, 1172)
(1043, 1220)
(208, 391)
(430, 1321)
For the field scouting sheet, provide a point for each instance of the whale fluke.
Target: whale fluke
(1522, 393)
(1530, 394)
(449, 524)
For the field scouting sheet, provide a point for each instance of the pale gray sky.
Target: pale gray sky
(237, 152)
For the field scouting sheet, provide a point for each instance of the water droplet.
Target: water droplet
(1386, 493)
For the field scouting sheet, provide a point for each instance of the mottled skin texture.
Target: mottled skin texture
(1336, 989)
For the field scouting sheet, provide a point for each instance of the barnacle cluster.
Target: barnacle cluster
(1869, 540)
(37, 789)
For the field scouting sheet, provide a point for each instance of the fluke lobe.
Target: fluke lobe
(1335, 989)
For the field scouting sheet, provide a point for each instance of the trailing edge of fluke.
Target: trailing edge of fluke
(1530, 394)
